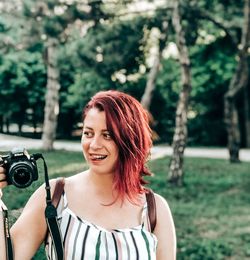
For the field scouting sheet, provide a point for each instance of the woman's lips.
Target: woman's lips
(97, 157)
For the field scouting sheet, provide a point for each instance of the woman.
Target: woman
(103, 211)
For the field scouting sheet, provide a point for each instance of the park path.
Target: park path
(7, 142)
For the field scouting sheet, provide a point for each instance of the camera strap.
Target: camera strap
(51, 217)
(6, 231)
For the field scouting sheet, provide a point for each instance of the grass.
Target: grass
(211, 210)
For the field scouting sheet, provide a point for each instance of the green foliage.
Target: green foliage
(210, 82)
(86, 85)
(97, 45)
(22, 84)
(119, 46)
(166, 96)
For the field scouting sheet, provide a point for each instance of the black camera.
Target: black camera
(21, 168)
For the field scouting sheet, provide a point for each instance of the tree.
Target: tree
(238, 83)
(152, 75)
(52, 96)
(180, 135)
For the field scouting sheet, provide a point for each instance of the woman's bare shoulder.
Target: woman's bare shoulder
(164, 214)
(165, 230)
(161, 202)
(76, 178)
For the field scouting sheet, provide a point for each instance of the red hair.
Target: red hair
(128, 124)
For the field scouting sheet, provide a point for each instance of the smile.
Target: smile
(98, 157)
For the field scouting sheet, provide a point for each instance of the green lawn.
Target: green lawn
(211, 211)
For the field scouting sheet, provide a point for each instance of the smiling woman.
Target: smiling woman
(126, 124)
(103, 212)
(99, 149)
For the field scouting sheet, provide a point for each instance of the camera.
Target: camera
(21, 168)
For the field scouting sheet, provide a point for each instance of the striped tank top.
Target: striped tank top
(83, 240)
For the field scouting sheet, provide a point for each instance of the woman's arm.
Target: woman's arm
(2, 233)
(165, 231)
(28, 232)
(3, 183)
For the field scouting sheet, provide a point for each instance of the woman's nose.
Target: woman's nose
(96, 143)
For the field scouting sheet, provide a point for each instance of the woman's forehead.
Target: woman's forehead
(95, 117)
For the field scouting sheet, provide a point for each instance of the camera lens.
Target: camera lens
(21, 177)
(21, 174)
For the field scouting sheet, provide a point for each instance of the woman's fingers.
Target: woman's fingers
(3, 181)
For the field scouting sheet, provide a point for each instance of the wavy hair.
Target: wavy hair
(128, 123)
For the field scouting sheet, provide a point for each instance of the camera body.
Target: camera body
(21, 168)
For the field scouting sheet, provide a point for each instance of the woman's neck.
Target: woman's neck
(101, 184)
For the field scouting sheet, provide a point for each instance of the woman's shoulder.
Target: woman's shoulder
(72, 183)
(162, 208)
(73, 179)
(160, 200)
(165, 229)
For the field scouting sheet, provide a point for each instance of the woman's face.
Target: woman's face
(99, 149)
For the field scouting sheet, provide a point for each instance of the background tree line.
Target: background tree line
(187, 61)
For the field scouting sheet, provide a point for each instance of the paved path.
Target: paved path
(7, 142)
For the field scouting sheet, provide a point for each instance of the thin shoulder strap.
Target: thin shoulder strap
(59, 187)
(151, 209)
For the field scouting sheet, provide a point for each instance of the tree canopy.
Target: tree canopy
(110, 45)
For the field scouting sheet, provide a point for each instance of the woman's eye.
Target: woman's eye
(87, 134)
(107, 136)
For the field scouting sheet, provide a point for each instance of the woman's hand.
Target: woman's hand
(3, 181)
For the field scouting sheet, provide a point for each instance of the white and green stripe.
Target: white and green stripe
(86, 241)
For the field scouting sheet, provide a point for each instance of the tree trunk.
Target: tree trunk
(233, 130)
(150, 86)
(180, 134)
(7, 124)
(247, 115)
(1, 123)
(238, 82)
(52, 96)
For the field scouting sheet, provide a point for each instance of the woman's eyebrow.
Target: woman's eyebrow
(90, 128)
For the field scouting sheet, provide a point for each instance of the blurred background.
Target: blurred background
(187, 62)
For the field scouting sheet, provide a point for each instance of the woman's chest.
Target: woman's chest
(108, 216)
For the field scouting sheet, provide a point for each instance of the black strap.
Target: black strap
(151, 209)
(9, 249)
(51, 217)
